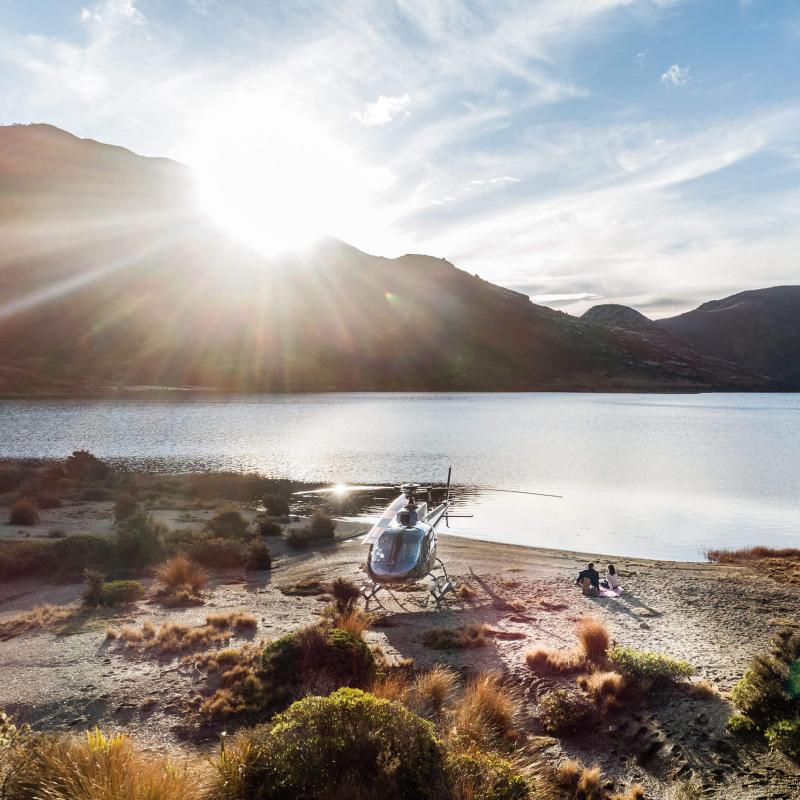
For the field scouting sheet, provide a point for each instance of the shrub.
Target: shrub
(641, 665)
(593, 639)
(259, 556)
(276, 505)
(228, 523)
(93, 593)
(564, 711)
(741, 725)
(345, 593)
(322, 526)
(97, 494)
(330, 658)
(785, 736)
(300, 538)
(56, 533)
(125, 506)
(769, 691)
(139, 540)
(220, 553)
(119, 593)
(479, 775)
(24, 512)
(96, 767)
(12, 478)
(487, 710)
(48, 500)
(324, 745)
(84, 467)
(266, 526)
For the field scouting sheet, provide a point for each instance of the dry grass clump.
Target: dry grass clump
(466, 592)
(23, 512)
(394, 686)
(39, 618)
(473, 635)
(433, 688)
(578, 782)
(182, 582)
(305, 587)
(353, 620)
(725, 556)
(173, 637)
(99, 767)
(605, 688)
(702, 690)
(593, 639)
(544, 660)
(487, 710)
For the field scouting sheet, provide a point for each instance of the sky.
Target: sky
(644, 152)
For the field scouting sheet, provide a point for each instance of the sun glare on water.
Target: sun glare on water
(276, 180)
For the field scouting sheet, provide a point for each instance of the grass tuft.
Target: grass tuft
(182, 582)
(593, 639)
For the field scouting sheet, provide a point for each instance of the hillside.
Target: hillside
(759, 329)
(112, 277)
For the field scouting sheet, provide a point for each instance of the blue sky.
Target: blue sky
(582, 151)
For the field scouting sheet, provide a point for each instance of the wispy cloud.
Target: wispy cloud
(383, 111)
(676, 76)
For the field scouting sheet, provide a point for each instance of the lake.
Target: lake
(663, 476)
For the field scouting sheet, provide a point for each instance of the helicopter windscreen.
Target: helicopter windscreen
(397, 551)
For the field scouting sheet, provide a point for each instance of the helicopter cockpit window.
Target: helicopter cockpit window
(397, 551)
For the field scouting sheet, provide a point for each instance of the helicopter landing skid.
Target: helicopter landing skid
(441, 583)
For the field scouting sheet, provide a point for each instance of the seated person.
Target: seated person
(592, 574)
(612, 578)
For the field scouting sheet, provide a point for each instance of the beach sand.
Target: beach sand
(715, 617)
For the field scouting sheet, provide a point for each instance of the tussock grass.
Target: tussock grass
(182, 582)
(593, 639)
(579, 782)
(605, 688)
(547, 660)
(703, 690)
(433, 688)
(42, 617)
(353, 621)
(305, 587)
(99, 767)
(475, 634)
(487, 710)
(744, 554)
(23, 512)
(395, 686)
(466, 592)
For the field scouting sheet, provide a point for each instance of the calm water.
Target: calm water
(649, 475)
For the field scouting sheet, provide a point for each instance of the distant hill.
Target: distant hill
(111, 277)
(759, 329)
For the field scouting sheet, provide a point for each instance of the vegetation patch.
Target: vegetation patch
(562, 712)
(643, 666)
(182, 582)
(228, 523)
(593, 639)
(100, 592)
(44, 617)
(305, 587)
(487, 711)
(24, 512)
(259, 556)
(781, 564)
(481, 775)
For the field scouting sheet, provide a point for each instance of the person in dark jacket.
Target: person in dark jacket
(592, 574)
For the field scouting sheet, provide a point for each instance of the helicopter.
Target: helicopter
(403, 542)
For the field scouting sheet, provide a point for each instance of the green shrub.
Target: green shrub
(93, 593)
(266, 526)
(259, 556)
(322, 746)
(784, 735)
(481, 775)
(322, 526)
(565, 711)
(119, 593)
(139, 540)
(276, 505)
(741, 725)
(641, 665)
(228, 523)
(336, 655)
(223, 553)
(66, 556)
(24, 512)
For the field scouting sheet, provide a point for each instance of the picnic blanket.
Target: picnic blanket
(618, 592)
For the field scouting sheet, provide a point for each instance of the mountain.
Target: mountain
(110, 276)
(759, 329)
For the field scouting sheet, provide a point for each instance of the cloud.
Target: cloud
(383, 111)
(641, 58)
(676, 76)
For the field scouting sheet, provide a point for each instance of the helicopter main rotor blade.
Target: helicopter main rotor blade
(342, 489)
(519, 491)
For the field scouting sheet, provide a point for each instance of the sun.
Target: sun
(276, 179)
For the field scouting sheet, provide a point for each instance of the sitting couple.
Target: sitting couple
(589, 579)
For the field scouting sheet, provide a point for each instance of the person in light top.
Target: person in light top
(612, 578)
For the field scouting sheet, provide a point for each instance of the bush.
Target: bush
(97, 494)
(119, 593)
(300, 538)
(23, 512)
(741, 725)
(785, 736)
(345, 593)
(228, 523)
(182, 581)
(641, 665)
(276, 505)
(564, 711)
(322, 526)
(593, 638)
(259, 556)
(480, 775)
(330, 659)
(265, 526)
(139, 540)
(93, 593)
(48, 500)
(67, 557)
(125, 506)
(323, 745)
(219, 553)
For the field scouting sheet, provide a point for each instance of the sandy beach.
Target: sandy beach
(715, 617)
